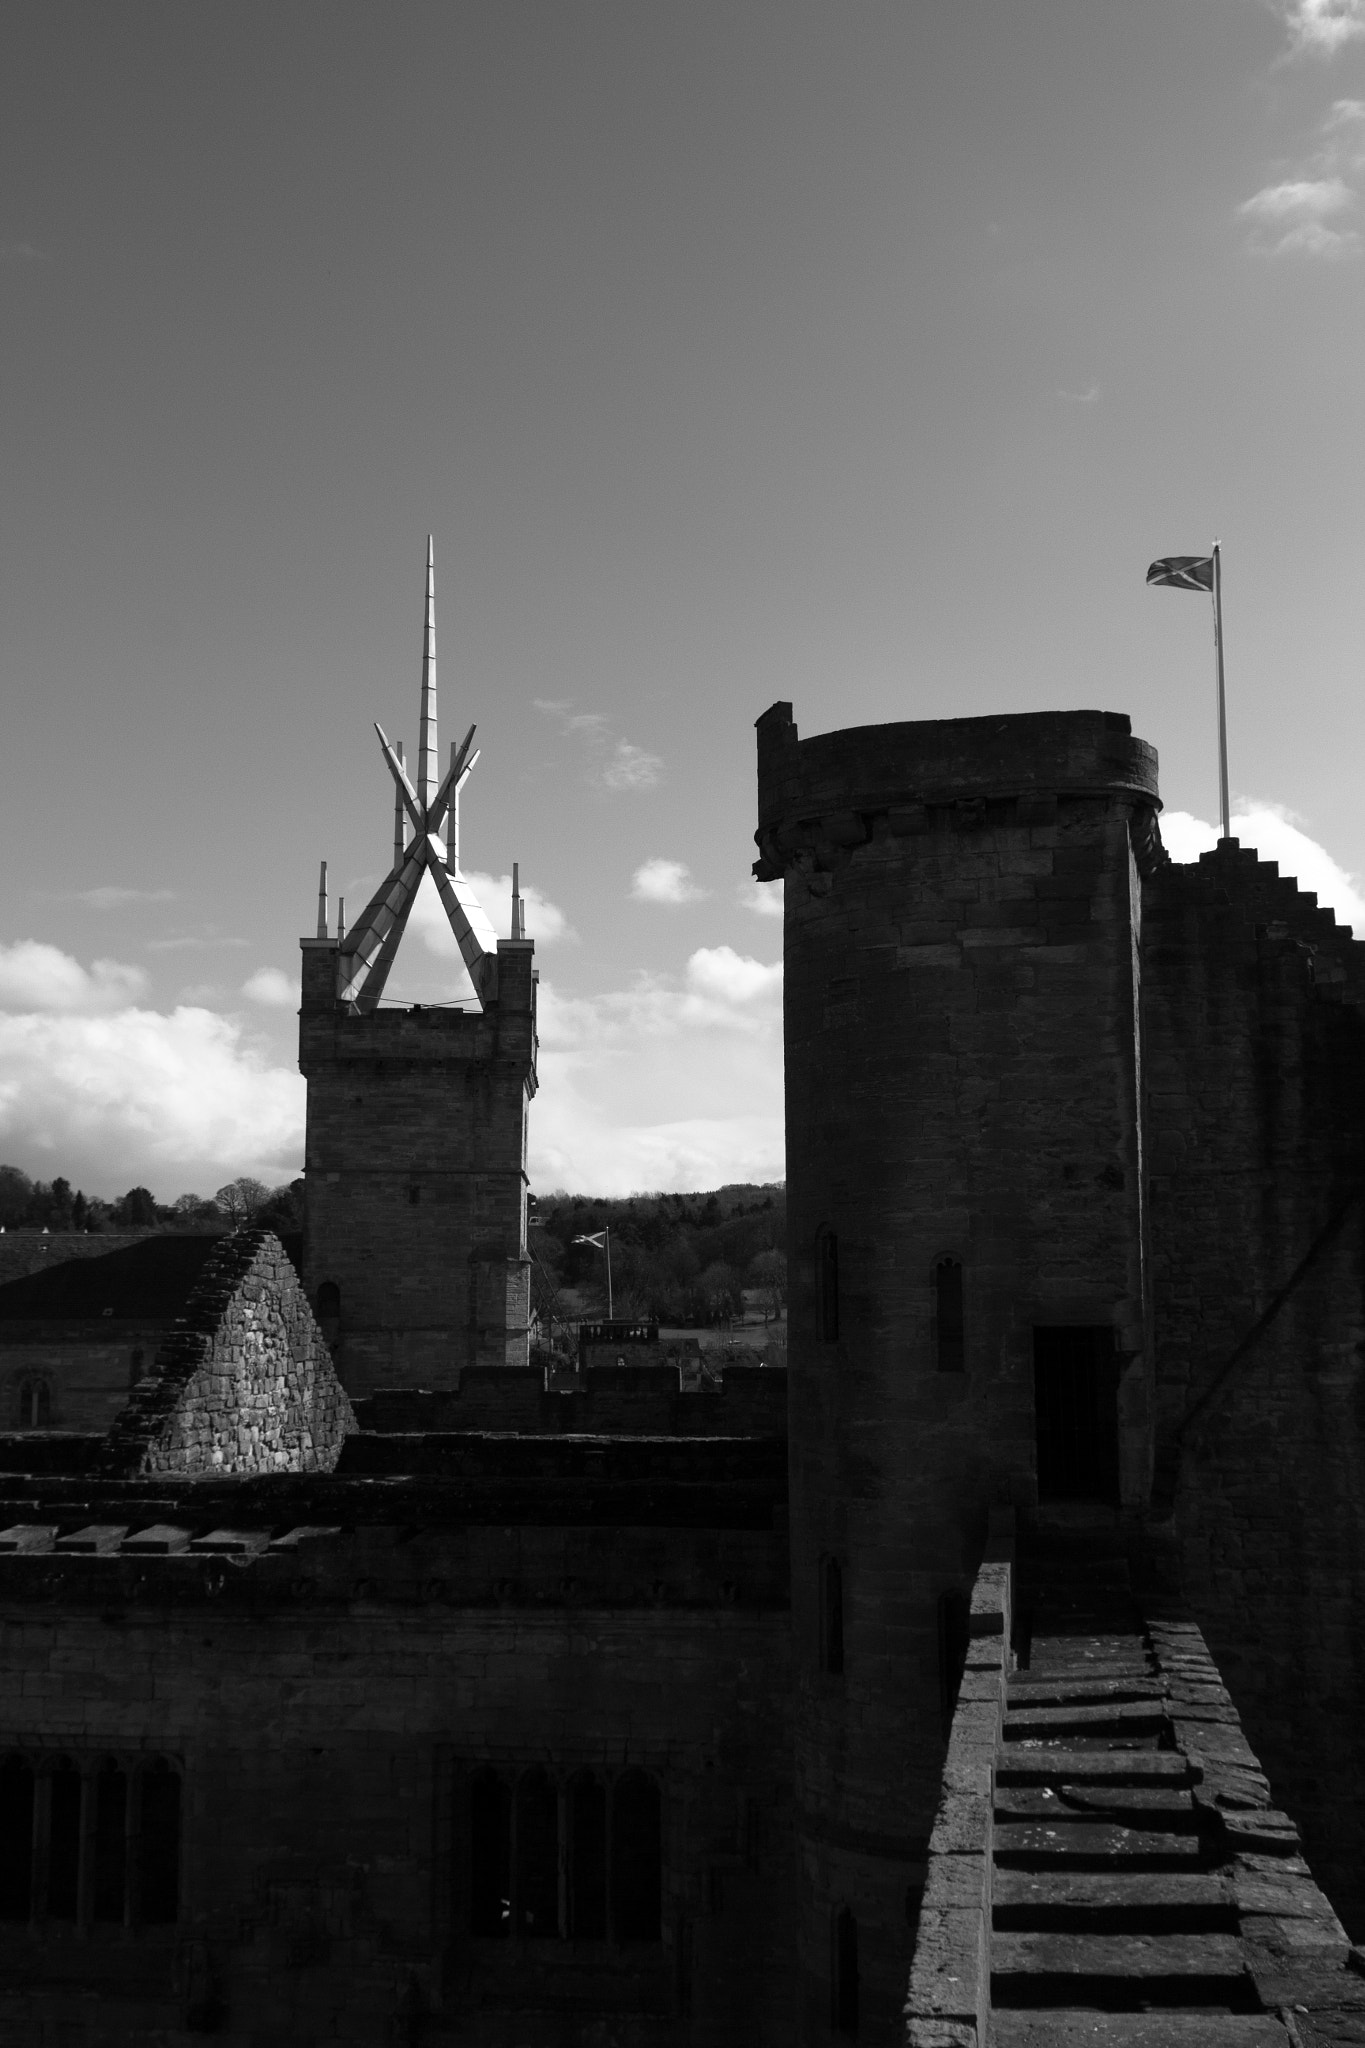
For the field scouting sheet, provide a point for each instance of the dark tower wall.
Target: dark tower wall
(1255, 1028)
(963, 1080)
(416, 1177)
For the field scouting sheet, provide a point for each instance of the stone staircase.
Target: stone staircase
(1109, 1922)
(1107, 1867)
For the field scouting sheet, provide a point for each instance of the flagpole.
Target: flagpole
(611, 1314)
(1222, 700)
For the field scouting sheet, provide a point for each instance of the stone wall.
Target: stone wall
(323, 1693)
(245, 1383)
(1256, 1080)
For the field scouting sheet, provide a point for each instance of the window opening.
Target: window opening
(328, 1301)
(827, 1284)
(537, 1831)
(587, 1858)
(63, 1840)
(35, 1404)
(636, 1858)
(1075, 1380)
(111, 1841)
(831, 1650)
(845, 1972)
(953, 1640)
(490, 1843)
(16, 1838)
(950, 1336)
(158, 1870)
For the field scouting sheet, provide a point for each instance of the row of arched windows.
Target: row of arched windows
(948, 1335)
(89, 1840)
(578, 1858)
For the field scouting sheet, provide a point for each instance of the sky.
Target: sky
(857, 354)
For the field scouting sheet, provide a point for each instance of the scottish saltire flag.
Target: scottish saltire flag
(599, 1239)
(1183, 572)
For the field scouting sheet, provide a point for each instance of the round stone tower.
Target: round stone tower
(968, 1293)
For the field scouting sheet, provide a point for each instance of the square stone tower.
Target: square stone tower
(415, 1239)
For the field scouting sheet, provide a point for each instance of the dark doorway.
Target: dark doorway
(1075, 1391)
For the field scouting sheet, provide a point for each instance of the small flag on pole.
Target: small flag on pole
(1183, 572)
(599, 1240)
(1205, 572)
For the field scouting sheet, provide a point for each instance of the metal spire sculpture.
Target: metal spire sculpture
(431, 811)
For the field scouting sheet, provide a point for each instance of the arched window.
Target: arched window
(35, 1403)
(16, 1838)
(636, 1858)
(826, 1284)
(831, 1595)
(158, 1849)
(328, 1303)
(111, 1841)
(844, 1973)
(953, 1638)
(537, 1834)
(63, 1840)
(587, 1814)
(490, 1855)
(950, 1330)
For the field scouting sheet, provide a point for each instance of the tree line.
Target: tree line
(27, 1204)
(678, 1259)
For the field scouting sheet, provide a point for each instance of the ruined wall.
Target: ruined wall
(962, 1082)
(244, 1383)
(1256, 1119)
(323, 1698)
(416, 1176)
(88, 1378)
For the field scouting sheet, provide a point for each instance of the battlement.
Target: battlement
(840, 784)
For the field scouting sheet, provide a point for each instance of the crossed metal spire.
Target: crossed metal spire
(431, 811)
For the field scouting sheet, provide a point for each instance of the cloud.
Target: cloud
(631, 768)
(1320, 28)
(664, 881)
(765, 899)
(270, 986)
(109, 1093)
(35, 976)
(668, 1083)
(190, 944)
(111, 897)
(14, 251)
(1276, 834)
(1300, 215)
(1090, 395)
(626, 766)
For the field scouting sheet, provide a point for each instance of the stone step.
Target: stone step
(1095, 1843)
(1146, 1716)
(1111, 1902)
(1171, 1805)
(1091, 2029)
(1075, 1688)
(1118, 1971)
(1036, 1763)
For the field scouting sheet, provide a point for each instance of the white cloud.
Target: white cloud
(111, 1094)
(1090, 395)
(208, 944)
(662, 1084)
(664, 881)
(35, 976)
(111, 897)
(269, 985)
(1322, 27)
(631, 768)
(766, 898)
(625, 767)
(1276, 835)
(1301, 214)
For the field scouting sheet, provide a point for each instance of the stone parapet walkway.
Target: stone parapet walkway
(1108, 1866)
